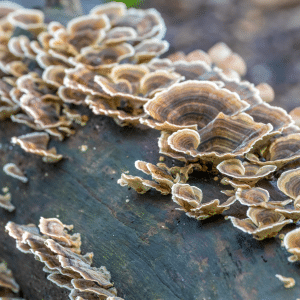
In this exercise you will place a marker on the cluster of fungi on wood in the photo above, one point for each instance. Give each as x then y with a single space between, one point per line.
208 116
61 254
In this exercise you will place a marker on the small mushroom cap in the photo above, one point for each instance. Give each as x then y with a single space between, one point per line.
252 197
13 171
89 22
28 19
188 197
148 49
104 57
291 242
61 280
263 216
283 150
289 282
190 200
82 79
289 183
6 7
70 95
37 143
261 232
178 104
141 185
54 75
192 70
225 137
7 280
119 35
147 23
89 286
45 111
266 92
5 202
113 10
245 171
14 46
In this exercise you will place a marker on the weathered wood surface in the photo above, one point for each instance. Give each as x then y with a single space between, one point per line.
152 250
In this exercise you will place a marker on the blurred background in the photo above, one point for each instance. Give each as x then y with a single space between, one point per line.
266 33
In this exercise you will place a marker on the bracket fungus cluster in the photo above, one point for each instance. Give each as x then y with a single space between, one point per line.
208 117
61 254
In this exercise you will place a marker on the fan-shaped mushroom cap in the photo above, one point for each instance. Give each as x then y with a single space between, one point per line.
28 19
76 263
45 60
191 104
70 95
61 280
129 72
119 35
54 75
266 113
103 58
158 81
13 171
190 200
192 70
17 231
148 49
89 286
37 143
266 92
164 148
5 202
88 22
160 64
55 229
261 232
124 111
223 138
113 10
6 7
291 242
289 282
283 150
141 185
261 223
16 68
147 23
245 172
14 46
82 79
54 26
289 183
293 214
7 280
252 197
45 111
